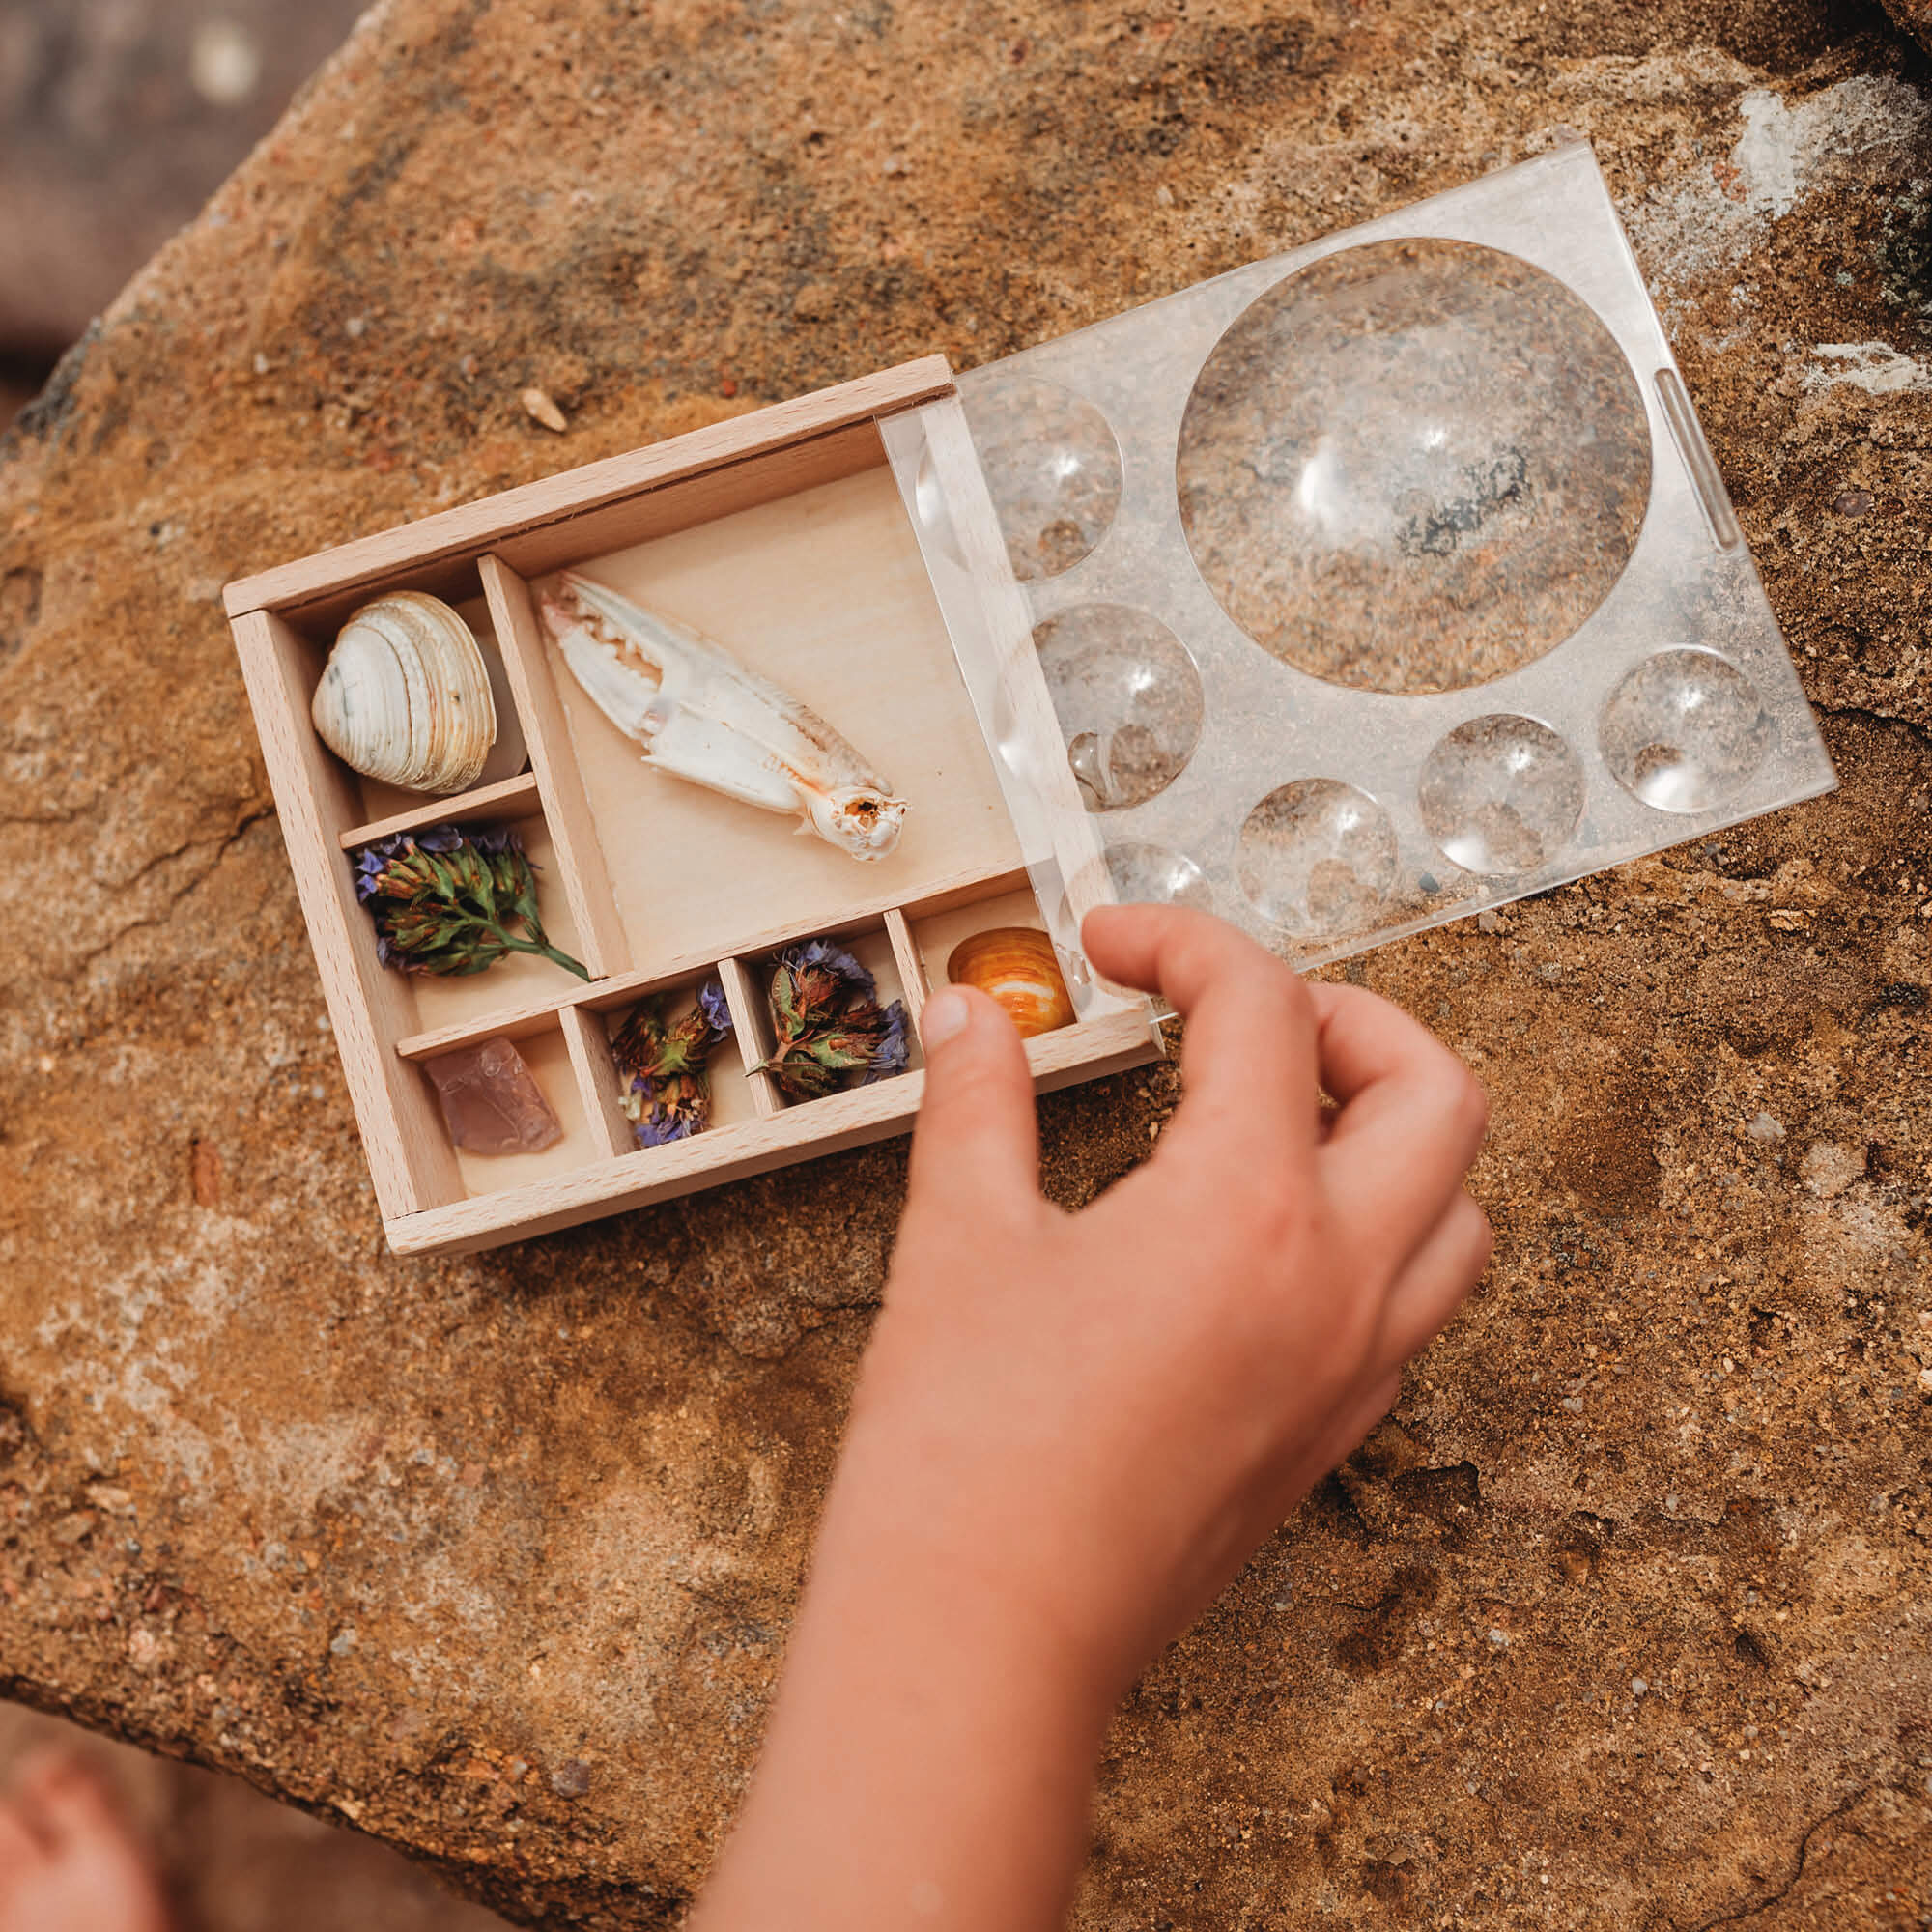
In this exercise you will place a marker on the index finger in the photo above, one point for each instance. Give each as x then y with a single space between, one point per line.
1250 1057
1412 1116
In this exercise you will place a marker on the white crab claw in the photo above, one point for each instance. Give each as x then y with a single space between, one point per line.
703 716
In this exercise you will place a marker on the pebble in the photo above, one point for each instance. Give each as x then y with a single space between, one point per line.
1762 1128
539 407
1488 921
1639 1686
571 1778
1853 502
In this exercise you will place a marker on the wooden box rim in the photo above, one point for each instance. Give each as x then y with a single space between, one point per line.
394 1113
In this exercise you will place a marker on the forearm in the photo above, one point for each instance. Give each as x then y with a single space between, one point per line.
931 1752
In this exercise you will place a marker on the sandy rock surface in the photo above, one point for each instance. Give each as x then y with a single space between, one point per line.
1621 1621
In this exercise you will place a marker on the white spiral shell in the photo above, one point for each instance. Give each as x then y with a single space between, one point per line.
405 696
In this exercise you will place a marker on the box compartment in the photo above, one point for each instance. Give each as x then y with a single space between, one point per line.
732 1099
553 1066
870 944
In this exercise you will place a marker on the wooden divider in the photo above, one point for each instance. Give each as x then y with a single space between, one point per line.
752 1025
519 1021
599 1084
911 968
508 798
573 834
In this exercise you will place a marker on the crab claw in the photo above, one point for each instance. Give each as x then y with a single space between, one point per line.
700 714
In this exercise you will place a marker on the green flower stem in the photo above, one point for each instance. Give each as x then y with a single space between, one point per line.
546 951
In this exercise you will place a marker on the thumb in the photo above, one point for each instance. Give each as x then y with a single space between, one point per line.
977 1139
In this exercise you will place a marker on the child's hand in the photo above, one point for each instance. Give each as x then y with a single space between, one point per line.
1103 1413
1071 1430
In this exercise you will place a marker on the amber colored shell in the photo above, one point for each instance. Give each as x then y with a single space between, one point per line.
1016 966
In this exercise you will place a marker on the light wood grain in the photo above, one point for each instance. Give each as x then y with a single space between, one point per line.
572 830
911 971
416 549
512 798
599 1084
1088 1051
410 1157
694 501
752 1024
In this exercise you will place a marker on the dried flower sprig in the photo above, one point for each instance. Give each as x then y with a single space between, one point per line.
830 1030
666 1088
446 901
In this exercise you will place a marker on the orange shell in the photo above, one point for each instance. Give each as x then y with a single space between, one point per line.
1016 966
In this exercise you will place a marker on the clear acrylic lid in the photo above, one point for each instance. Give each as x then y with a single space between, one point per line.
1361 588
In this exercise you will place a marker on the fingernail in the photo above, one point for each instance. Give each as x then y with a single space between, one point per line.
948 1012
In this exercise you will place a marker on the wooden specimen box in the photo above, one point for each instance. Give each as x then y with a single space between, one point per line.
786 534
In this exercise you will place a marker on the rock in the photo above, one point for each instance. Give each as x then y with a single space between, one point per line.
1914 17
1762 1128
261 1377
490 1101
1829 1167
571 1778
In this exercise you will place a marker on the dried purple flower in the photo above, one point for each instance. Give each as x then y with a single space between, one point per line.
835 961
893 1050
662 1125
448 901
667 1094
711 1003
829 1024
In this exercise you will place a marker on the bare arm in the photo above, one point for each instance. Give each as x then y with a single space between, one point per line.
1071 1431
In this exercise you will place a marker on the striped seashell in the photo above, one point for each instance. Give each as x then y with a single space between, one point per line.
405 696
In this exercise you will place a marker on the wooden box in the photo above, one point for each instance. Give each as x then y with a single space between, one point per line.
787 535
